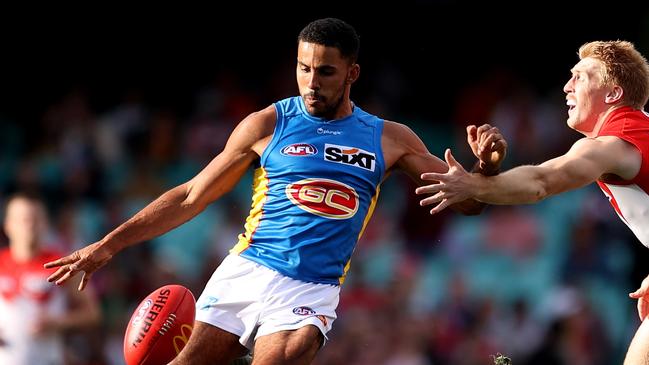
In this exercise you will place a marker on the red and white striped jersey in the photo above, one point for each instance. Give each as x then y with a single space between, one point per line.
630 198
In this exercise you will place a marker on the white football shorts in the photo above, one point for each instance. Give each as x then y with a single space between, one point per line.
251 300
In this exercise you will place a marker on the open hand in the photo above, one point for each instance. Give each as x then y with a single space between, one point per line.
450 188
86 260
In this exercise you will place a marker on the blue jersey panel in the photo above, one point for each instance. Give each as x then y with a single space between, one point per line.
313 193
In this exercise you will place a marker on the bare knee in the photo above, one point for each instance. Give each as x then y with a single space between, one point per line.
288 347
298 347
209 345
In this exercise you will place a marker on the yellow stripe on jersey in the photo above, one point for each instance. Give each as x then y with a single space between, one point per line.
370 211
259 190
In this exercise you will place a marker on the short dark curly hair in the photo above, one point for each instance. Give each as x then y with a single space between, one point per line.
333 32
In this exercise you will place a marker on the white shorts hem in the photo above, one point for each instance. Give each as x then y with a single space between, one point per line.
224 326
313 320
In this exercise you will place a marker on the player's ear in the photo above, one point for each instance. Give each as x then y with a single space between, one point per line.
353 73
614 95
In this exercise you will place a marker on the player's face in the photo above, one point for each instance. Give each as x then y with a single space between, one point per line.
24 224
585 95
323 77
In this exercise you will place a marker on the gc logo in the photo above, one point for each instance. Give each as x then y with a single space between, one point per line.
324 197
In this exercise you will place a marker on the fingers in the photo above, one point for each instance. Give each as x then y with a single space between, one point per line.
488 142
85 278
450 160
483 132
499 145
441 206
643 302
438 197
58 274
490 145
60 262
68 274
429 189
487 136
452 163
431 176
471 134
642 291
63 273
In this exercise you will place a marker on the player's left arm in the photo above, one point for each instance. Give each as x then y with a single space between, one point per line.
404 150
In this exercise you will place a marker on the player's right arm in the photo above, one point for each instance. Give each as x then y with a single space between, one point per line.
404 150
178 205
586 161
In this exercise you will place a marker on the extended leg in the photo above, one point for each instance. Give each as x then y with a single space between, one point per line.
209 345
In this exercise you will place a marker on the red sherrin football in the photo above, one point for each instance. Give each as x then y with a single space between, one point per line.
160 326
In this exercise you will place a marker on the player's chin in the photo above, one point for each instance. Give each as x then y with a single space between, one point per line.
315 110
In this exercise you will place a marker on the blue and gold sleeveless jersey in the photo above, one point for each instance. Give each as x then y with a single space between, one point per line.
313 193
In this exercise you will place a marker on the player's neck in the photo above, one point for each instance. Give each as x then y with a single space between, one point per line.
345 109
601 120
348 108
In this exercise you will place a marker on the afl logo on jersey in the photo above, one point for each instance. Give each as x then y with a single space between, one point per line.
324 197
299 149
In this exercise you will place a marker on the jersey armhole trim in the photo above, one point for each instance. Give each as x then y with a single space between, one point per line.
277 133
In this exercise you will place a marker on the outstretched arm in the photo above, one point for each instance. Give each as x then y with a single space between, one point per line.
404 150
178 205
585 162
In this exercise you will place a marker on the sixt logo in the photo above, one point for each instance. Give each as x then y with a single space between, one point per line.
303 311
350 156
324 197
299 149
328 131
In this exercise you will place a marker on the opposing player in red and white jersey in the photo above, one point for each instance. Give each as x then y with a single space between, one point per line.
33 314
606 95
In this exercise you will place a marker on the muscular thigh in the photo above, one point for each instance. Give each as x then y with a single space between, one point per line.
295 347
210 345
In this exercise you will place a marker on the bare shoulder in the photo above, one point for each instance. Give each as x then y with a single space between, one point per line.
261 123
399 140
404 150
624 158
613 155
606 147
397 132
255 131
